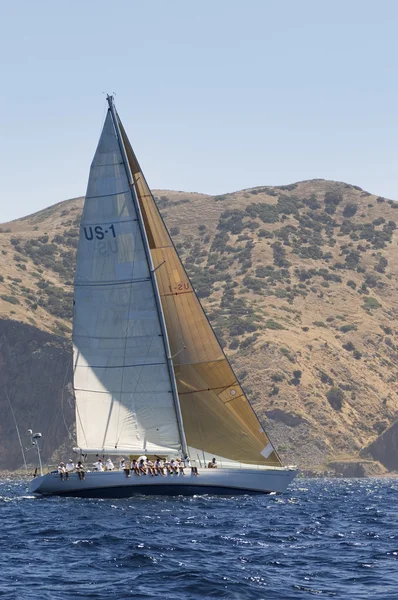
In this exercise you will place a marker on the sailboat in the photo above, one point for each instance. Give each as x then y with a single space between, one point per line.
150 377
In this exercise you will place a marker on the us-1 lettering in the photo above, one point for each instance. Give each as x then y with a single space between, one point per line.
180 287
99 232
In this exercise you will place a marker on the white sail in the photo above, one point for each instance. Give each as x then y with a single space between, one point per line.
123 389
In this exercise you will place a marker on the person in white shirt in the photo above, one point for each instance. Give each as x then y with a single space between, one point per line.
109 465
174 466
70 467
159 467
62 470
122 464
187 462
150 467
98 465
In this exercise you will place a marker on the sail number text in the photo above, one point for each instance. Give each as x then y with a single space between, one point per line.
180 287
98 232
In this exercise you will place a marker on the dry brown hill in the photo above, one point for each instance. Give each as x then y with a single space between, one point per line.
299 281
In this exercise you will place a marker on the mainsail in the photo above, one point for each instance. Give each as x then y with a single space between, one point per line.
123 387
217 416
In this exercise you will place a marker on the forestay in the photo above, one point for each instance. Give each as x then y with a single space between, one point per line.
217 416
123 391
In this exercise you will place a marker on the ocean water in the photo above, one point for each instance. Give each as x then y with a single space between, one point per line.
326 538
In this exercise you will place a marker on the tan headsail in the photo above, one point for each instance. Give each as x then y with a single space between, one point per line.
217 416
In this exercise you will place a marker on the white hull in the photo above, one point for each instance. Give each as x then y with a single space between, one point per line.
115 484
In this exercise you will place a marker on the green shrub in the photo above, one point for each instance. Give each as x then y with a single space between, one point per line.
333 198
387 330
265 234
352 259
349 346
286 352
335 397
248 341
324 377
271 324
381 265
350 209
347 328
10 299
276 377
371 304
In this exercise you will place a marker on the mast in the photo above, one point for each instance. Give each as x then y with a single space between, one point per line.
153 278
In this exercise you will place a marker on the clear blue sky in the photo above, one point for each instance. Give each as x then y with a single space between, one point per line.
216 95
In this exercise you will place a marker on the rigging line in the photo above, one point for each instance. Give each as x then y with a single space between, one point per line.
103 117
16 427
70 436
76 404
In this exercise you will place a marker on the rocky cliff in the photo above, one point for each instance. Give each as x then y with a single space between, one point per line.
35 374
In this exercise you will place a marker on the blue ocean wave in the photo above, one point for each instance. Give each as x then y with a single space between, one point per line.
327 538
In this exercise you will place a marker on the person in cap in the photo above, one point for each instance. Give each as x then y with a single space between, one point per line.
98 465
109 466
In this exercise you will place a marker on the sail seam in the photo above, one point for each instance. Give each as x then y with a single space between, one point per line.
107 195
121 282
176 294
82 224
119 366
107 165
211 389
112 392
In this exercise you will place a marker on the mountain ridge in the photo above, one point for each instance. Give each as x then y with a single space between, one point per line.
299 282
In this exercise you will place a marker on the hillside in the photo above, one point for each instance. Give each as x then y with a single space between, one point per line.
299 281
